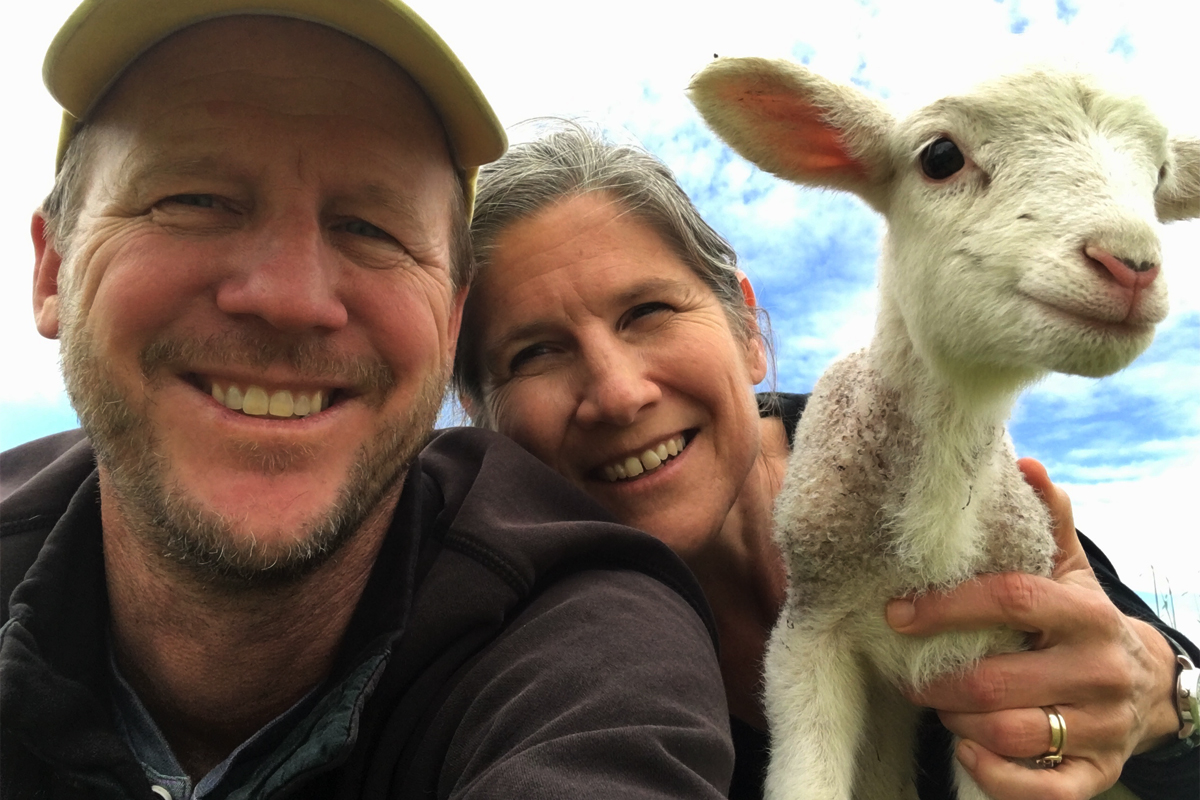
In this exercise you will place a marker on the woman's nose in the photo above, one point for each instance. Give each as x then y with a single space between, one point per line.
617 389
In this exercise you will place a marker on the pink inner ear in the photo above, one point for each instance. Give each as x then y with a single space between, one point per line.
795 133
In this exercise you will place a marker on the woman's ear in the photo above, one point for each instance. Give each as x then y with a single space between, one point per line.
757 347
747 289
468 405
757 356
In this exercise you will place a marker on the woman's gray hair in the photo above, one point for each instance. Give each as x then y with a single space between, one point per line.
573 160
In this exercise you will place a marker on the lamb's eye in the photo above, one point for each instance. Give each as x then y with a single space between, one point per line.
941 158
1162 174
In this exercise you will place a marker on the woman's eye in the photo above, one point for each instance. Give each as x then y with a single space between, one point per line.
526 355
643 310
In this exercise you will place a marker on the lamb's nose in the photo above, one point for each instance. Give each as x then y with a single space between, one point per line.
1126 271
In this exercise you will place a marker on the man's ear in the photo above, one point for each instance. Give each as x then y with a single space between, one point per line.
46 265
454 327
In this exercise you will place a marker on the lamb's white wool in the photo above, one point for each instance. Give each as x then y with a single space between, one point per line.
1022 238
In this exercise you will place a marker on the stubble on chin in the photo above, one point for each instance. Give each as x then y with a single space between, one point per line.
270 459
216 548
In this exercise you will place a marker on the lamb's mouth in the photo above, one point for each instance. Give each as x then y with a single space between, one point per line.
277 402
647 461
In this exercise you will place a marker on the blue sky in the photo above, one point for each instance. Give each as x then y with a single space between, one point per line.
1126 447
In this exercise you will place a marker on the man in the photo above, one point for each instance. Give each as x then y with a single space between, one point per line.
248 579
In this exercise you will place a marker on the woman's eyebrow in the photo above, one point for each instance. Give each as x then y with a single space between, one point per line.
529 330
647 286
629 296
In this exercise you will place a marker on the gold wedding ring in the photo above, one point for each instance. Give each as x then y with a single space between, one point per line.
1058 739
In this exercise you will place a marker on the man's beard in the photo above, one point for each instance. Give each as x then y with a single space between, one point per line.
206 542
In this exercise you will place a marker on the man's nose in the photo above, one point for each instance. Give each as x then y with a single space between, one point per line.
617 387
287 276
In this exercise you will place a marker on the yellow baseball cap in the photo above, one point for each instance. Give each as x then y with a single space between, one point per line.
103 37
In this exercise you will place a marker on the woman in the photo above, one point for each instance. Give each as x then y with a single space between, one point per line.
610 333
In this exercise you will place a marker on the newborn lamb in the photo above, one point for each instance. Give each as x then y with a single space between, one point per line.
1021 239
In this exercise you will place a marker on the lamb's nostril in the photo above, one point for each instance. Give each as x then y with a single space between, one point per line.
1138 266
1125 271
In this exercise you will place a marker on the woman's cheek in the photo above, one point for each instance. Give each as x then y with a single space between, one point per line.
512 407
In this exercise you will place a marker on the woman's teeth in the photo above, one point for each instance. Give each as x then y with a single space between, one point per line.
282 403
648 461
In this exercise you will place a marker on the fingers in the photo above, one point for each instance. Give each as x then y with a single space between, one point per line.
1026 733
1017 733
1073 779
1022 602
1090 674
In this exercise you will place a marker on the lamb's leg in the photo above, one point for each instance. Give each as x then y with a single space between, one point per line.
815 704
886 762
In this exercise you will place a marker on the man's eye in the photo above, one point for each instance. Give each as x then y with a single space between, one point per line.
194 200
358 227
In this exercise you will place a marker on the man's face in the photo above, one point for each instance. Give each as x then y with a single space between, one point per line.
267 224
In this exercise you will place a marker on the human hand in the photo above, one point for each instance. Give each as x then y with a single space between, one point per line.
1110 676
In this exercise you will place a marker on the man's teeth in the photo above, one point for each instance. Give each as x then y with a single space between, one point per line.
651 459
282 403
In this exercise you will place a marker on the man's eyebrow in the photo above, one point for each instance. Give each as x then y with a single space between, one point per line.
379 194
168 164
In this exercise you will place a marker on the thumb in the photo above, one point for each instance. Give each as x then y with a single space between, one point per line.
1070 554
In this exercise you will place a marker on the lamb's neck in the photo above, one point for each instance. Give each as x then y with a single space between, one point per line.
937 397
959 433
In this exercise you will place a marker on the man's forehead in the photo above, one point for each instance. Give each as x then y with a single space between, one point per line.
103 37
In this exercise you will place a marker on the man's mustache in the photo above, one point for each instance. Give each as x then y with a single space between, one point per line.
309 360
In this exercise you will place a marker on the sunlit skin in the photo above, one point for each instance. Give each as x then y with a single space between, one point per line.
598 342
276 180
283 204
601 343
595 341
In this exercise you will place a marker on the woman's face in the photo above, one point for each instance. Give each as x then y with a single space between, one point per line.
604 355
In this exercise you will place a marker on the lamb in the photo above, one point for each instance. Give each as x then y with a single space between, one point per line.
1021 239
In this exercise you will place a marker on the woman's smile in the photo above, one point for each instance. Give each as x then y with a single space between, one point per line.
607 357
649 460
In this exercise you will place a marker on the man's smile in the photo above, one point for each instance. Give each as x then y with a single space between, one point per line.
258 401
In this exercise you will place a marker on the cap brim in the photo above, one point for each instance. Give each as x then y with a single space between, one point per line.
103 37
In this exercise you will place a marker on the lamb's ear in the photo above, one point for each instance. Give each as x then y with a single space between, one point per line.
798 125
1179 195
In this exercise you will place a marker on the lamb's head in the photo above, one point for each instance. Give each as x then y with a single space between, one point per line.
1022 216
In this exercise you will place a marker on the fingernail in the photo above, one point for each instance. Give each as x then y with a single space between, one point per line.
966 755
901 613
